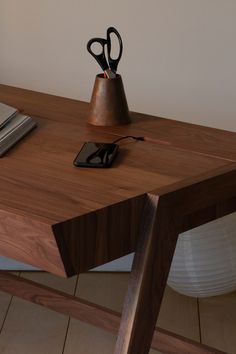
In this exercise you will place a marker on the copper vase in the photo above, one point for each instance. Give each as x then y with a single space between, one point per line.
108 105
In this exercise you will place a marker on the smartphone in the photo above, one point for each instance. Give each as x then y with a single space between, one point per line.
96 155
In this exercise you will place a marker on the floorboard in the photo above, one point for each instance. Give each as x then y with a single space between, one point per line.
179 314
31 329
218 322
109 290
106 289
5 302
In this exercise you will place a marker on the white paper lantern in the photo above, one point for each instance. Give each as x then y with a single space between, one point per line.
204 262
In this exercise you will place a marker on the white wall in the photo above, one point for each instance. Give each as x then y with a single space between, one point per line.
179 55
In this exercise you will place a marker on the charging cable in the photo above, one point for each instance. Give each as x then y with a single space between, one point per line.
141 138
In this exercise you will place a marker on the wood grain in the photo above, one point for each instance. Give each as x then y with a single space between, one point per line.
213 194
104 289
67 220
184 136
99 237
178 313
150 269
167 132
64 215
108 105
93 314
33 329
30 241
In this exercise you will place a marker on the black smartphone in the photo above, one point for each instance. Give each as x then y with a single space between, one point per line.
96 155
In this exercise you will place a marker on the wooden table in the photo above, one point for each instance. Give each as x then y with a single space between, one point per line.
67 220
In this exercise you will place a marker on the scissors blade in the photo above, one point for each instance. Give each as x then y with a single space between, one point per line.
110 74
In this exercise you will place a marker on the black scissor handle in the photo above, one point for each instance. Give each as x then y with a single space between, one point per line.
101 153
101 58
113 63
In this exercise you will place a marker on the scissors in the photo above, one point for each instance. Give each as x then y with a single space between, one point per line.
101 155
108 65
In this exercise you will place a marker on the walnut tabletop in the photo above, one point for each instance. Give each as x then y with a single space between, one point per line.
67 220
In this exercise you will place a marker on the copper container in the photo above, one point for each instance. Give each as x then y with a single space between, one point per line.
108 105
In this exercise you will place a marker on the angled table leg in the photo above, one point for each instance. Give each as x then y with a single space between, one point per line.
151 265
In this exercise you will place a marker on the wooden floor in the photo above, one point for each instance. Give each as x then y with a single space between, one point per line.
27 328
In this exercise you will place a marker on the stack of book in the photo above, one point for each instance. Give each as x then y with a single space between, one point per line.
13 127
